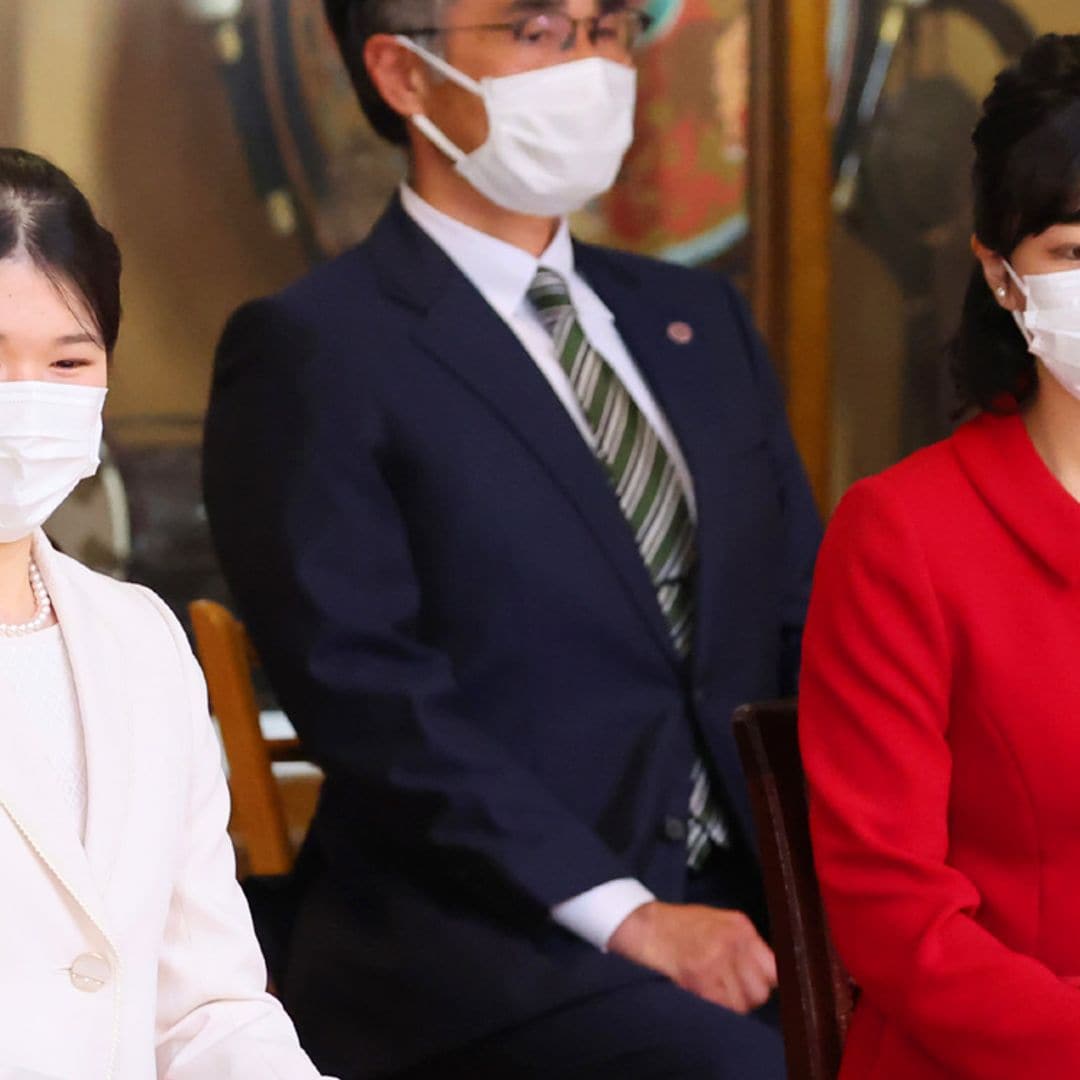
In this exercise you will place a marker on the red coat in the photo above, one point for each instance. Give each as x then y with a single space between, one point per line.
940 727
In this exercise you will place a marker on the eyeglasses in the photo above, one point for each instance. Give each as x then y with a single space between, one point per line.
551 33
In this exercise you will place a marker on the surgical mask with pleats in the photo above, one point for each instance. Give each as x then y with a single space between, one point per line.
556 136
50 439
1050 322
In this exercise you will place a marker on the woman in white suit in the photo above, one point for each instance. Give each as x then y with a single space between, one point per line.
126 947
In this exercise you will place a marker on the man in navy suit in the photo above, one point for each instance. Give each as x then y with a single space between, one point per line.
515 523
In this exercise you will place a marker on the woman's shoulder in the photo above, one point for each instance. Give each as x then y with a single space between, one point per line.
920 483
928 498
935 482
135 611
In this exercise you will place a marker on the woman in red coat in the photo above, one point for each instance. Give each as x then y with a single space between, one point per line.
940 698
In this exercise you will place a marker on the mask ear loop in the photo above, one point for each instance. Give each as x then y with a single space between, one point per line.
434 135
467 82
1018 281
422 123
1018 316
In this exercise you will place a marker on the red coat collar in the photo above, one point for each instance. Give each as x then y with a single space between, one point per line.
1000 460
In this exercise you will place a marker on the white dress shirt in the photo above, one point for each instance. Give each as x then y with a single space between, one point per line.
502 274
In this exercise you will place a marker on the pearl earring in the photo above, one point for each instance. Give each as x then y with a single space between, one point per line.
1002 292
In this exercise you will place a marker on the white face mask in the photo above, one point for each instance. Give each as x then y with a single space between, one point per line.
1050 322
50 438
556 136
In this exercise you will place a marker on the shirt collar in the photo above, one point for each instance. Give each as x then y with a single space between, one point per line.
501 272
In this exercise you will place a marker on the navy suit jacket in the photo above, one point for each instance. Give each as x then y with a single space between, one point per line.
453 612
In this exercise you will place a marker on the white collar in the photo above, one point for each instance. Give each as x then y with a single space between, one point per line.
501 272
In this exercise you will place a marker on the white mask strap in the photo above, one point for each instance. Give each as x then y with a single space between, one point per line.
440 65
434 135
1018 316
1018 281
423 124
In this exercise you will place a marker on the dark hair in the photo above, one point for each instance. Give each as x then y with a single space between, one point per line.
43 213
1026 178
353 22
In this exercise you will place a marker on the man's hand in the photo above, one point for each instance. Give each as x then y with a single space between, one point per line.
714 953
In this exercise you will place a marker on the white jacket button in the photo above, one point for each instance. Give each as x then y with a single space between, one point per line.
90 973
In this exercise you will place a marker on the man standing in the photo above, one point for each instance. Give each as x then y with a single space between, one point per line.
514 523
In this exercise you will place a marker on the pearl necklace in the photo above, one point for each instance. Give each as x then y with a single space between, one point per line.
42 612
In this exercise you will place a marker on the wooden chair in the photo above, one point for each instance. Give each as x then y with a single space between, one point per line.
258 810
816 994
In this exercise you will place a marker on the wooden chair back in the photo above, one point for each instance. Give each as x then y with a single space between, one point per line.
258 811
816 994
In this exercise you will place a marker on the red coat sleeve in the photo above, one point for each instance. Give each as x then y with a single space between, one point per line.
874 711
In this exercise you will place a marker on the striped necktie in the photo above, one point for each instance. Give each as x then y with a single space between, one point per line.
652 500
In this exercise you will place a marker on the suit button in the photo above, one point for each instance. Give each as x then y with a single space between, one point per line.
90 973
674 829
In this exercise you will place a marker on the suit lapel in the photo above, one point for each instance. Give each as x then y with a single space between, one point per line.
681 369
684 368
31 804
461 331
99 672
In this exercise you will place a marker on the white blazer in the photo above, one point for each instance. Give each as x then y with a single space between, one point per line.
132 957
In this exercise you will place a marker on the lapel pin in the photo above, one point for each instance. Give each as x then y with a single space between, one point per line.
681 333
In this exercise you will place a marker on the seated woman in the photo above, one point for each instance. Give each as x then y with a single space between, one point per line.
940 695
126 949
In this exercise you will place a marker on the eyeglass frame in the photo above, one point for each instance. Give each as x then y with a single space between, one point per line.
644 20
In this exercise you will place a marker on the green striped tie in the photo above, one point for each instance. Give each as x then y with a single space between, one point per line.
652 499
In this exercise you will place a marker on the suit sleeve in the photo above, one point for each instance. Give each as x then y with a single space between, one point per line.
874 711
300 486
214 1016
802 523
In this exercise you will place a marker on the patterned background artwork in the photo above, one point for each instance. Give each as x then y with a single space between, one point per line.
682 191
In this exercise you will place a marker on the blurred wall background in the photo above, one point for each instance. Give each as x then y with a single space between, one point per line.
125 95
877 416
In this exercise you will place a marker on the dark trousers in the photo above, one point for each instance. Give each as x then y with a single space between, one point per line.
646 1030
